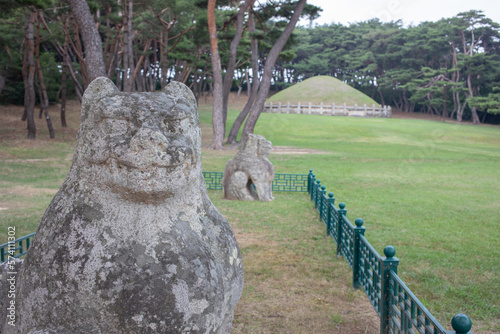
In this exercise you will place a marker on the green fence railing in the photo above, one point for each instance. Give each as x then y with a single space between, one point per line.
281 182
16 248
399 310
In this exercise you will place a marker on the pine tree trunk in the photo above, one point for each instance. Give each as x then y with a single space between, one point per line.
91 39
164 59
78 49
44 99
268 71
128 52
231 66
254 88
2 83
249 88
25 75
475 118
217 106
64 80
30 96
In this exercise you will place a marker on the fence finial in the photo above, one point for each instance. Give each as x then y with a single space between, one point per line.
461 324
330 194
342 205
389 251
358 222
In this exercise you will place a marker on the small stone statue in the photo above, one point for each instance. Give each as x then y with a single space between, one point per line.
249 176
131 243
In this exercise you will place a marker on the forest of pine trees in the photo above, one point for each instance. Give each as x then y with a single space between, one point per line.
449 68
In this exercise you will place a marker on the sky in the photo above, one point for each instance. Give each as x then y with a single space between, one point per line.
412 12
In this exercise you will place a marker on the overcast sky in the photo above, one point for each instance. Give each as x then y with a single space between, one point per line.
410 11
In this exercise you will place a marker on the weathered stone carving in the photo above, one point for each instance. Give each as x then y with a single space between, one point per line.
131 243
250 168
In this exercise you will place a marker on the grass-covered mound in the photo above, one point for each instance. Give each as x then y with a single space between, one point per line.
322 89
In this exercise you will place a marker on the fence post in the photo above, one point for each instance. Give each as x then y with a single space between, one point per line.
309 179
321 196
341 211
389 263
315 191
356 252
313 182
331 202
461 324
298 108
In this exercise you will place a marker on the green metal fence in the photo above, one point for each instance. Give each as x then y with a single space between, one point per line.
281 182
16 248
399 309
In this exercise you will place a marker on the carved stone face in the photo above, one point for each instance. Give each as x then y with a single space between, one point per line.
142 146
265 147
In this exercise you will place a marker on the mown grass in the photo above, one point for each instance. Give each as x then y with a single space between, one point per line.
430 189
293 284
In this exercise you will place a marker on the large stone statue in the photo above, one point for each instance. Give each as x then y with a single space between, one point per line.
249 176
131 242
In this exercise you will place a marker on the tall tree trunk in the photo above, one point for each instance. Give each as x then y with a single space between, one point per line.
25 73
475 117
78 86
254 88
78 49
30 75
217 105
249 89
141 59
231 65
44 99
64 78
268 71
91 39
2 83
164 59
445 112
128 52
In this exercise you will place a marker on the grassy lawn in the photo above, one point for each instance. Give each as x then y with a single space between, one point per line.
430 189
